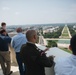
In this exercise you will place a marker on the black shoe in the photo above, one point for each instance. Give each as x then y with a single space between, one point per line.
10 72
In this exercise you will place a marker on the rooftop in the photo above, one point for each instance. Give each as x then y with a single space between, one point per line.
14 69
52 51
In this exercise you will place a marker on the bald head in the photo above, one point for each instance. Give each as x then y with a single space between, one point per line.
31 35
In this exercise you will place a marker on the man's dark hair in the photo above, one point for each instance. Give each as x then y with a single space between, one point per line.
3 23
73 44
2 30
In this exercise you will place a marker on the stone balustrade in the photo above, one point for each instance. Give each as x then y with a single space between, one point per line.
52 51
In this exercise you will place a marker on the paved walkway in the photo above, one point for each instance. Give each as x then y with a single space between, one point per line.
14 69
65 31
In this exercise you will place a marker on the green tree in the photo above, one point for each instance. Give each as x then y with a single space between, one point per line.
52 43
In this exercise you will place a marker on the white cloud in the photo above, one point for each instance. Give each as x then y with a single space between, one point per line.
5 8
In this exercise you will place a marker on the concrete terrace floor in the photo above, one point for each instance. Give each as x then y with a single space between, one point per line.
58 53
14 68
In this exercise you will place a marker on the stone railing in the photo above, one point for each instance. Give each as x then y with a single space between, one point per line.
52 51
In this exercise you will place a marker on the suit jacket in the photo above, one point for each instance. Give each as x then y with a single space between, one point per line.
34 61
4 42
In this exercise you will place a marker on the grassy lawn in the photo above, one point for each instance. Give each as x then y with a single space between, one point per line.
67 50
65 31
65 34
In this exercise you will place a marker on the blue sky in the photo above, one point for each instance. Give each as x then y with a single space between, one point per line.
18 12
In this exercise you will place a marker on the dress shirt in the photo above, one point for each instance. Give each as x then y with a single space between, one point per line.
66 66
18 40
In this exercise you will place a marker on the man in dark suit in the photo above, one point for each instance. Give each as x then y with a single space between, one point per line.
34 58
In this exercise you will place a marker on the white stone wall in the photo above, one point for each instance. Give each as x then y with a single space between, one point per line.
52 51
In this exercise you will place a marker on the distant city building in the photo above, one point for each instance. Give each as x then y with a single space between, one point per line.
50 29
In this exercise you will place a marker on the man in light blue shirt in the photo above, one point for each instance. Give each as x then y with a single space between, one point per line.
17 41
67 66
